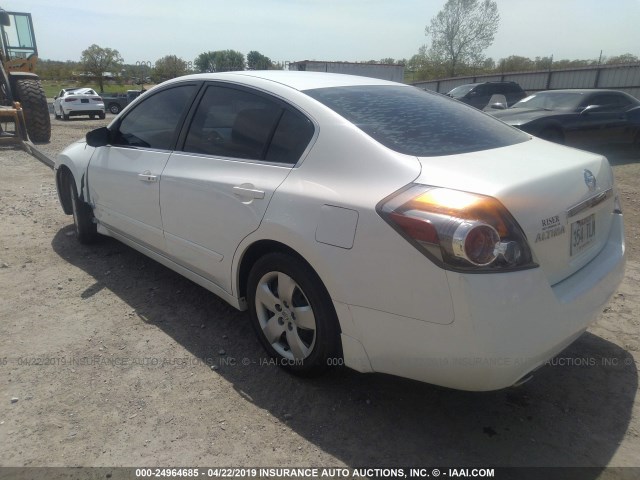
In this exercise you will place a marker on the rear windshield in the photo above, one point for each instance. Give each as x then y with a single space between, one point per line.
416 122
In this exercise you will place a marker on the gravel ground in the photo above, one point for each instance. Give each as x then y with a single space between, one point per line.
109 359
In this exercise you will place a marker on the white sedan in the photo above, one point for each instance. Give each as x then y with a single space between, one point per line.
78 101
360 222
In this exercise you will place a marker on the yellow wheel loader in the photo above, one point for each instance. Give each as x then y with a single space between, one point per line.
22 98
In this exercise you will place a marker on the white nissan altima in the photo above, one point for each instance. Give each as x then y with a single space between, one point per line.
361 222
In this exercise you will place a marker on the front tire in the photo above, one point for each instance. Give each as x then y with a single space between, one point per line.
293 315
36 110
86 229
114 108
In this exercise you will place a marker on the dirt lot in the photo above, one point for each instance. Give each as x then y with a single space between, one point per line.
109 359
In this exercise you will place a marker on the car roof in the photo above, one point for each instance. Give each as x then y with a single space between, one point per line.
293 79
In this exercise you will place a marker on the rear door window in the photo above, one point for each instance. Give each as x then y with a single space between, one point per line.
292 136
237 123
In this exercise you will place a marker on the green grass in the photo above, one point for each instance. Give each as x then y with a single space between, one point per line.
52 88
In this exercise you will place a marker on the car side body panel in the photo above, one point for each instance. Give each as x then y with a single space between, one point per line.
209 205
399 311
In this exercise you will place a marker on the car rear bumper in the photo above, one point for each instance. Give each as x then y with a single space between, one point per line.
505 325
90 109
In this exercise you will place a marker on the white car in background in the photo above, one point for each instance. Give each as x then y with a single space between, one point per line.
72 102
361 222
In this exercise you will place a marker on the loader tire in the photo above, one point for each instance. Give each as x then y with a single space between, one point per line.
36 111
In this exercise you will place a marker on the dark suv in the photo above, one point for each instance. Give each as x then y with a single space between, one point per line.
479 94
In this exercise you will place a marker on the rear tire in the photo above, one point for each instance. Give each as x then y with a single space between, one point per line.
114 108
86 229
293 315
31 95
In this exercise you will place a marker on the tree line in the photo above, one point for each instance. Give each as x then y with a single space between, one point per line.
101 63
461 32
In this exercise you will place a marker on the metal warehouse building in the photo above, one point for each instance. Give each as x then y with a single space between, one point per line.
394 73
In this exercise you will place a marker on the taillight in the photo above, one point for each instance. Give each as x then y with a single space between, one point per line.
70 99
97 99
458 230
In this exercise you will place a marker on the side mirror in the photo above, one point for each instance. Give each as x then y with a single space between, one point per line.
99 137
496 102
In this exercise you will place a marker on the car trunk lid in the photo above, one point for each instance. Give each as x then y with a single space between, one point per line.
561 197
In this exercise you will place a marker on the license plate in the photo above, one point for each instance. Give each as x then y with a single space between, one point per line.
583 233
84 100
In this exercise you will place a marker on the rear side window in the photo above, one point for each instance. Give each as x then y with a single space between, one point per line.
416 122
154 122
240 124
292 136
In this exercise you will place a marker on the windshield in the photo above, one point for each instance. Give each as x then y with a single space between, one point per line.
552 101
460 91
415 122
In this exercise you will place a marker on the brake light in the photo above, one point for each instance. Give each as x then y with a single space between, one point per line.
70 99
458 230
97 99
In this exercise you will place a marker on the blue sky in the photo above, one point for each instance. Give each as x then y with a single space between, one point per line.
345 30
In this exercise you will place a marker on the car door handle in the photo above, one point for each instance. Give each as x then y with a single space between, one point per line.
244 191
147 177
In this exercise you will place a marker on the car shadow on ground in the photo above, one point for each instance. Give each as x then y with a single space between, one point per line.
575 411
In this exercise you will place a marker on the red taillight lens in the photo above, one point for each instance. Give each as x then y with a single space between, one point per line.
458 230
70 99
97 99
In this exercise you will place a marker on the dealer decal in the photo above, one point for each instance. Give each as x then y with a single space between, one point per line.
551 227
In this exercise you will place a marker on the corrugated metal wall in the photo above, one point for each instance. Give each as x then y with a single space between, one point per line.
394 73
618 77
